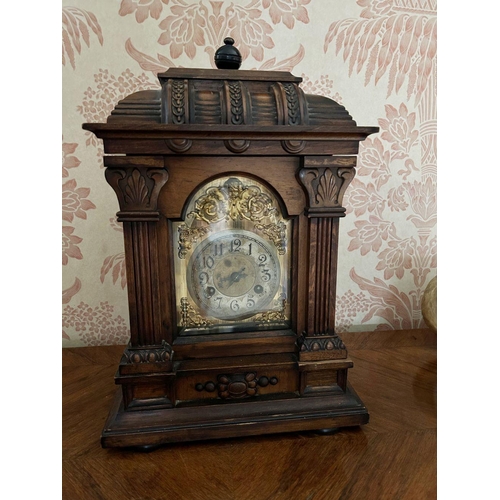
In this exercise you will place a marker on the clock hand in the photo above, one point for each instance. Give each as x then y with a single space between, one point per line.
236 276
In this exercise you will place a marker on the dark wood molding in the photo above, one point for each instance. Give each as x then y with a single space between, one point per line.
127 129
144 105
321 347
223 74
150 354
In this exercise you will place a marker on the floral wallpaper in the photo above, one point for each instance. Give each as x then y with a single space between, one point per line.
376 57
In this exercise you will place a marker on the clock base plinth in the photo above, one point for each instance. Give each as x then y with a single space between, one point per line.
151 428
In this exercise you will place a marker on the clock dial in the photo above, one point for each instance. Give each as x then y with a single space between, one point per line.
232 259
233 275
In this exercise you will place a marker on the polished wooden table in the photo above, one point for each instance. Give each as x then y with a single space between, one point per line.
393 457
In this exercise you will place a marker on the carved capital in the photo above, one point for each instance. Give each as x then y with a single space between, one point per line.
325 188
325 181
137 190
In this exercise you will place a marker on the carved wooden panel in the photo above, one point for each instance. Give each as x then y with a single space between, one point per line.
237 385
244 383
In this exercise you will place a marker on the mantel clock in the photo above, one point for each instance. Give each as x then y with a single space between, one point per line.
230 186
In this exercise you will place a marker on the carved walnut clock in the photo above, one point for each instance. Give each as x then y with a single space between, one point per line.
230 186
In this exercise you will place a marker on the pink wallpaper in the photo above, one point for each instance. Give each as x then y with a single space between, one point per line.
376 57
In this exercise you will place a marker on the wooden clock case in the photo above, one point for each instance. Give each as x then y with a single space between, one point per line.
162 145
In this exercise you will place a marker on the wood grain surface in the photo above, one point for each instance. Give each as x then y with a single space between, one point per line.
392 457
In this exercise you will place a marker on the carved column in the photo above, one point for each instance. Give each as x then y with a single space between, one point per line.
137 182
325 180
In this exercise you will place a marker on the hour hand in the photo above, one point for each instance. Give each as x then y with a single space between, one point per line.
236 276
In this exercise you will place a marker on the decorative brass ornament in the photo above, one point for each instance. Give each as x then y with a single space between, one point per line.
274 315
276 233
188 236
235 201
189 317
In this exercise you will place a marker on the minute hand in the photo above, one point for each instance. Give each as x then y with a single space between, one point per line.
236 276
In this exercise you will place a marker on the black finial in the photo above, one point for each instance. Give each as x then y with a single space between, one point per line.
227 56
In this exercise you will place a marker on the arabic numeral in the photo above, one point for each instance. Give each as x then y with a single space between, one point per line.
208 261
250 303
234 305
203 277
262 259
266 276
218 300
218 249
235 245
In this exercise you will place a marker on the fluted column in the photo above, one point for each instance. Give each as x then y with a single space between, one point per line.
137 182
325 180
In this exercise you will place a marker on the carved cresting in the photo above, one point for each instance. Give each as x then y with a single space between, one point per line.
241 102
137 182
325 180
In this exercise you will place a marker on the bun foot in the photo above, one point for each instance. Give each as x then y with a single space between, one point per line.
146 448
326 432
